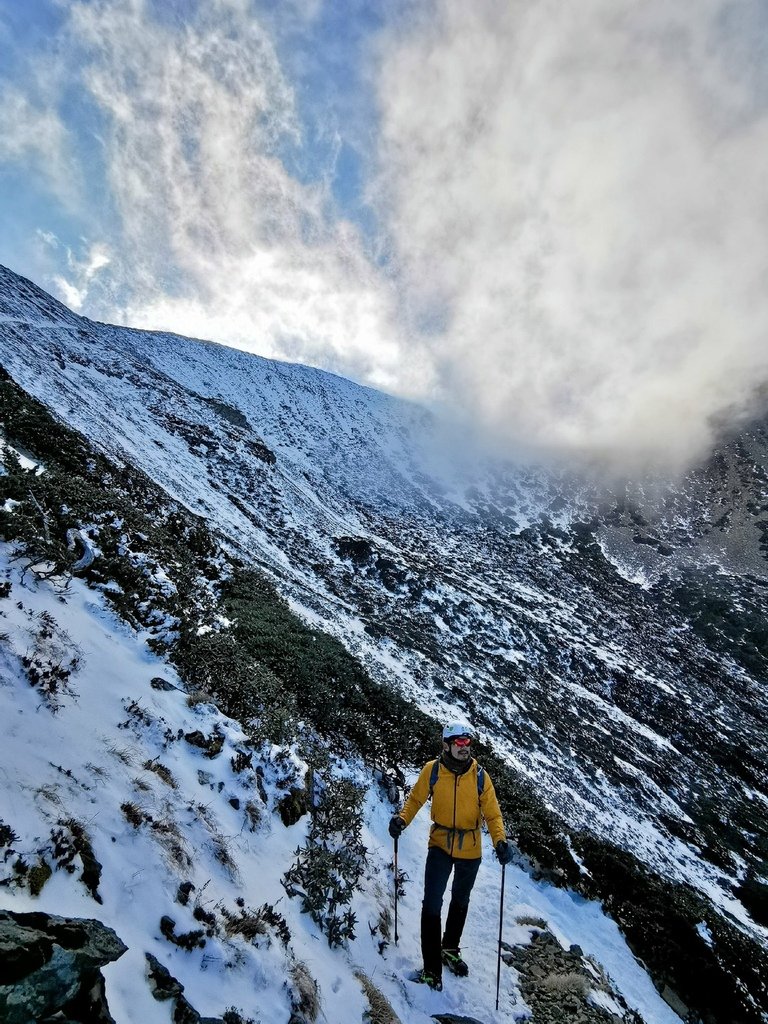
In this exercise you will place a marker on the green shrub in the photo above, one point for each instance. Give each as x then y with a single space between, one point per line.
38 875
328 868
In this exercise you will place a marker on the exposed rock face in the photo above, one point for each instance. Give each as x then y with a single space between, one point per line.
50 964
556 983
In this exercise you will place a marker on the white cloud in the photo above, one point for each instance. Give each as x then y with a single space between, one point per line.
218 240
75 288
33 135
582 188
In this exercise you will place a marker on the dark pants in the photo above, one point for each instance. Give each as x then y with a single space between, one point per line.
436 875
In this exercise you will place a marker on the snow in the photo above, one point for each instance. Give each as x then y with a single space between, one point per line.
84 761
350 462
24 460
704 932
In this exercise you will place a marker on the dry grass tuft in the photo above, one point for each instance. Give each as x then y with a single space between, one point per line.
570 984
125 754
305 998
380 1011
162 772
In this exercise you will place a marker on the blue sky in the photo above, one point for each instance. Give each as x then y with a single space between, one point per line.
555 225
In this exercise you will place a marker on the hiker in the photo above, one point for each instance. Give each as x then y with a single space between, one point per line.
462 797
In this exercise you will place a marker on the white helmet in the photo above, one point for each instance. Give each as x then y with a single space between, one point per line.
456 728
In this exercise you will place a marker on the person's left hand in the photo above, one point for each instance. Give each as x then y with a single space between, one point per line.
503 852
396 826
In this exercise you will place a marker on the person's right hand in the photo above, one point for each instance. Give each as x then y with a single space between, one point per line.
396 826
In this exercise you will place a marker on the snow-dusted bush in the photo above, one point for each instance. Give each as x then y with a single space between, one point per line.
51 659
330 865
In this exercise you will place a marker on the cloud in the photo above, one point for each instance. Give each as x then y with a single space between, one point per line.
75 288
576 197
33 135
216 238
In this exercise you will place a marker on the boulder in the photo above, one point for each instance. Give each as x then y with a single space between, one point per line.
52 964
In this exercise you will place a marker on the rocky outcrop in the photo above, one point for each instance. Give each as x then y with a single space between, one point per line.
558 984
52 964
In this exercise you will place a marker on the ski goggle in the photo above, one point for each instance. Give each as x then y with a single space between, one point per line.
460 741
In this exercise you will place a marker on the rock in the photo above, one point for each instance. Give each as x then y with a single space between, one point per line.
164 986
162 983
673 1000
183 893
158 683
293 805
52 964
211 745
184 1013
451 1018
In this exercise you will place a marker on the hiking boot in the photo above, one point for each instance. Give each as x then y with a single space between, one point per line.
452 960
427 978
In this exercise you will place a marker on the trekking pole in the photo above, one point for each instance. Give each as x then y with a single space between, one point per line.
501 919
396 887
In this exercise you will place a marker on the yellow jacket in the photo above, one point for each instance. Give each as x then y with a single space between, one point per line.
457 810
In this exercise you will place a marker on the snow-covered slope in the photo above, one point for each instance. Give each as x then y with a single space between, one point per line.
613 650
115 760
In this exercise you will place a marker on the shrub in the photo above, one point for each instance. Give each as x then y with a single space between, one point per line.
658 919
7 836
70 840
51 660
328 868
38 875
754 895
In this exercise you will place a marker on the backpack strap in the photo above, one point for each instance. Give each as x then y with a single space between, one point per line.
433 776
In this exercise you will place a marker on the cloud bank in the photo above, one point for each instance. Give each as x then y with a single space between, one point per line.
217 239
580 189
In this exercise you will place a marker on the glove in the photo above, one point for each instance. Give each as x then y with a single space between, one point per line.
503 851
396 826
